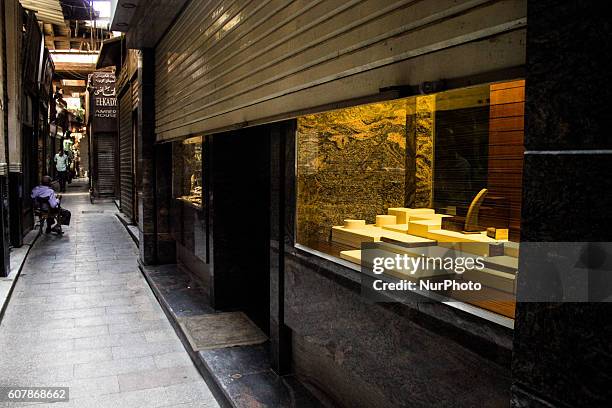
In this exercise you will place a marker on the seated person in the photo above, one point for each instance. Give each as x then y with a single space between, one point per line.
46 200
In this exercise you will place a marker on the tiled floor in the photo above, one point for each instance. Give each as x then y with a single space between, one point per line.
82 316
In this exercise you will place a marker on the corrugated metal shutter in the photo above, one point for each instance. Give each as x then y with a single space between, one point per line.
135 97
126 154
249 61
106 164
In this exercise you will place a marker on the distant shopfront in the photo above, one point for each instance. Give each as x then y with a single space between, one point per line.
103 134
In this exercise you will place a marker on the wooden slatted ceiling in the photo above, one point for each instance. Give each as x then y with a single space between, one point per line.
61 37
47 11
249 61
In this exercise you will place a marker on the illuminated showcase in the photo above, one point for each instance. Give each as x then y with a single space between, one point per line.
187 160
419 175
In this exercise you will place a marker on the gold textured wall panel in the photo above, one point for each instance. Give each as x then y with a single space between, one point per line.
351 164
424 140
230 63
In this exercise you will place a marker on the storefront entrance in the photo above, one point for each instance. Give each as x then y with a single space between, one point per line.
221 205
240 204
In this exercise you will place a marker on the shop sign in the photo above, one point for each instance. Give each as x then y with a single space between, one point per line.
104 100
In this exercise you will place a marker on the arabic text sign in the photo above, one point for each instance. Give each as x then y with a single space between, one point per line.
104 101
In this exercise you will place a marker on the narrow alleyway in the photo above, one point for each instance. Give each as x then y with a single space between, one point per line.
82 316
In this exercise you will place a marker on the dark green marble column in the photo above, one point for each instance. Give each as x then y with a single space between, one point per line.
562 351
282 210
166 246
5 265
146 183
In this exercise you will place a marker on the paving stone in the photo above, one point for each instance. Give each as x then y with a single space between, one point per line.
158 378
108 341
91 387
71 357
146 349
194 404
139 327
76 285
150 398
175 359
114 367
196 391
73 298
152 315
35 376
75 333
39 308
28 301
107 319
36 325
38 346
160 335
99 289
141 307
75 313
45 292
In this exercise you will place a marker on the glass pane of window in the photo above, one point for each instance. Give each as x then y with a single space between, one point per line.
188 215
187 171
351 164
432 171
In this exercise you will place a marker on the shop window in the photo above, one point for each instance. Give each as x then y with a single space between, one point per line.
187 163
439 170
189 218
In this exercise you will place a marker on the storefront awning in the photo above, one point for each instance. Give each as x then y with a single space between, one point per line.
110 53
144 22
47 11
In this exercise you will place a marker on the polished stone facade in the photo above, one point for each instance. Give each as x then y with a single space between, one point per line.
364 354
5 265
562 351
145 187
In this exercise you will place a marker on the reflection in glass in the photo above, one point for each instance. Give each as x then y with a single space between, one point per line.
189 226
187 161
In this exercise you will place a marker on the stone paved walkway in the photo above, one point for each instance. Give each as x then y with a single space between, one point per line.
82 316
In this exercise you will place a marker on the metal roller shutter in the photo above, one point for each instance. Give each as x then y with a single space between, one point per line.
126 154
268 60
106 164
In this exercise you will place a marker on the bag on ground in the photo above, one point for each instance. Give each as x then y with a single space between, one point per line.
64 217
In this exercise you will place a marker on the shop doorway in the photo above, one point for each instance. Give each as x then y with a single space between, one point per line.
239 170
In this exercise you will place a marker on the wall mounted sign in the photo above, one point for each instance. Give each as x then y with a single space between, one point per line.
103 101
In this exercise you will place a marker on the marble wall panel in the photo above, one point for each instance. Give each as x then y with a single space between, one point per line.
424 141
562 352
366 354
351 164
